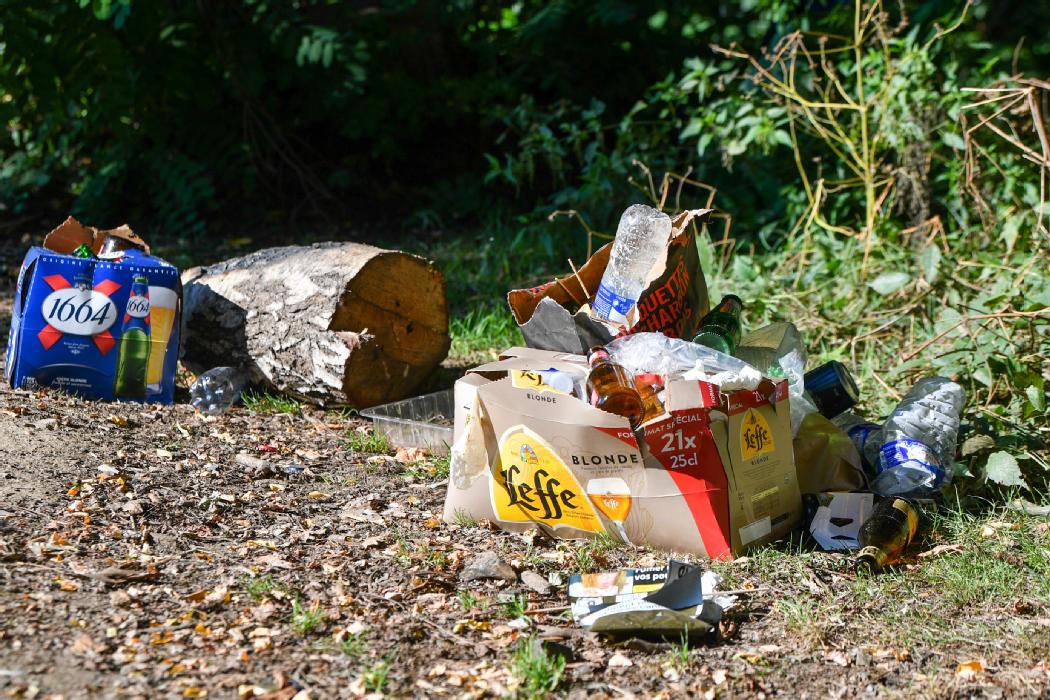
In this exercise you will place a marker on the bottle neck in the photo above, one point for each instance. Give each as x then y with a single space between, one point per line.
730 304
598 356
870 559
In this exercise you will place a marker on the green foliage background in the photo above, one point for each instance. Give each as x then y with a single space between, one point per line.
467 123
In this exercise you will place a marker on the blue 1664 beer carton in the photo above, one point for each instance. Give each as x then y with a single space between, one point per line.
99 328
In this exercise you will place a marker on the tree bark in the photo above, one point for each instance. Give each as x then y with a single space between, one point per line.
332 323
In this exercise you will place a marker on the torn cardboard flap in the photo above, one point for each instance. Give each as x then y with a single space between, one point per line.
71 234
836 525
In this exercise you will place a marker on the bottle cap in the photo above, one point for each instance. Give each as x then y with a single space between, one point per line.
598 352
733 301
832 388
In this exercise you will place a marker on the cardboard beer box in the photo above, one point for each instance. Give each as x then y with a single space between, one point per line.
714 476
99 328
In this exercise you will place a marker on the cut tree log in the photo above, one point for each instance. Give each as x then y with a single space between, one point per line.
331 323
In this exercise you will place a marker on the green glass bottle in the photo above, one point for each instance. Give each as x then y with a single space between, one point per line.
133 351
83 251
720 328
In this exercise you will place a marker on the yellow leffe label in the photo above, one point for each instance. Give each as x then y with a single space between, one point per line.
524 379
533 485
755 435
909 513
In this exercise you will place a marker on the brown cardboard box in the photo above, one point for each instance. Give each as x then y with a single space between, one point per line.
673 302
713 477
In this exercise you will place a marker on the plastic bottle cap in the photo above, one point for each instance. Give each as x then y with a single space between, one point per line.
832 388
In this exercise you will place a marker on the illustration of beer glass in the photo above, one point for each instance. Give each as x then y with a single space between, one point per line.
163 303
612 497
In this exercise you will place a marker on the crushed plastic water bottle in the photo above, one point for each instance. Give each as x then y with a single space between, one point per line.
217 389
640 238
916 446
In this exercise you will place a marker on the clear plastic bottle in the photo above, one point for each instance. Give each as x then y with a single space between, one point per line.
218 389
860 432
916 445
640 238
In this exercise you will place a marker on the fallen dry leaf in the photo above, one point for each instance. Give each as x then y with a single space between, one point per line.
719 676
968 670
941 549
408 455
65 584
837 657
197 596
84 644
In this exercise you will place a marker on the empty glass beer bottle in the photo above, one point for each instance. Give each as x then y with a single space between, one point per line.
720 328
648 385
83 251
886 534
611 388
134 347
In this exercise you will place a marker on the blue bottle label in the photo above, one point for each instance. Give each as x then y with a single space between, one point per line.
859 434
608 304
914 455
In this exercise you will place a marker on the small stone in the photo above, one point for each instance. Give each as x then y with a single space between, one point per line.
618 660
46 424
536 582
134 507
487 565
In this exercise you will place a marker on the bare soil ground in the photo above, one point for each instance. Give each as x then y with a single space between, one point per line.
196 562
152 552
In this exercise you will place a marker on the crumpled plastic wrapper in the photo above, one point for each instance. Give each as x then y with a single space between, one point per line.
675 358
642 353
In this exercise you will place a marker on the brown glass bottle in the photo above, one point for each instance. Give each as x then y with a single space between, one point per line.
647 386
610 387
886 534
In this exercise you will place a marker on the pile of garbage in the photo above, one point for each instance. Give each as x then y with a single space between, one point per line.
640 411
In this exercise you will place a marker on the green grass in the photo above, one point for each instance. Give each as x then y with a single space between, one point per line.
538 673
266 402
680 655
305 620
259 587
440 467
375 676
469 601
354 646
515 606
992 585
480 330
465 519
370 442
590 554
